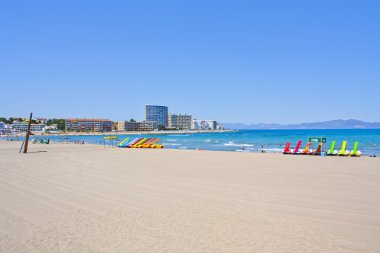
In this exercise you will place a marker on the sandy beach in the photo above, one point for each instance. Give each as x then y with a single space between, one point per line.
87 198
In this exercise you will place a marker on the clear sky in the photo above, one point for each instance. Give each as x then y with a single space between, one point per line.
232 61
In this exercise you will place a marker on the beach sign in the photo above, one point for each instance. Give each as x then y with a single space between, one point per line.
317 139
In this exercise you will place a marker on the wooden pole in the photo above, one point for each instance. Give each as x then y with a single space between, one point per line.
28 134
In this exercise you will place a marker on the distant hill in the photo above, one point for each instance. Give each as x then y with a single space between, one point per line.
332 124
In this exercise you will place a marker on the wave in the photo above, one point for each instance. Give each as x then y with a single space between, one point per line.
171 140
238 144
172 144
273 149
241 150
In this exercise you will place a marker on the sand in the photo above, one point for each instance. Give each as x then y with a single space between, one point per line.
85 198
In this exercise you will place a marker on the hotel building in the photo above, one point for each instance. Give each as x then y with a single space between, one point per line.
179 121
23 127
88 125
140 126
157 113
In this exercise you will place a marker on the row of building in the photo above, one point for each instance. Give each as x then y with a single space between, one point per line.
88 125
194 124
75 125
161 115
156 117
21 126
104 125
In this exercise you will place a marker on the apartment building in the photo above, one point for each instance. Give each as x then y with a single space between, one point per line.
140 126
88 125
179 121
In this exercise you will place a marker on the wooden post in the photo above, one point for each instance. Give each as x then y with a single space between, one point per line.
27 134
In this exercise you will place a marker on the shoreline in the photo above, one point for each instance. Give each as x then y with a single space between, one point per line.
224 140
107 146
125 133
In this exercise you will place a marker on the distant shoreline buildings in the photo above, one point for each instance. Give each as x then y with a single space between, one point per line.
88 125
157 117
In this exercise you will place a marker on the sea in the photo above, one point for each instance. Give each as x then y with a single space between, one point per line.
272 141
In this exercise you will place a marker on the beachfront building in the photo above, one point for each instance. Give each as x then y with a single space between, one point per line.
204 124
21 127
157 113
140 126
88 125
179 121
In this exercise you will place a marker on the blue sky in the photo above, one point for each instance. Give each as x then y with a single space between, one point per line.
233 61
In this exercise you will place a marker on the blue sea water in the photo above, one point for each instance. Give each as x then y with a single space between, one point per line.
254 140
